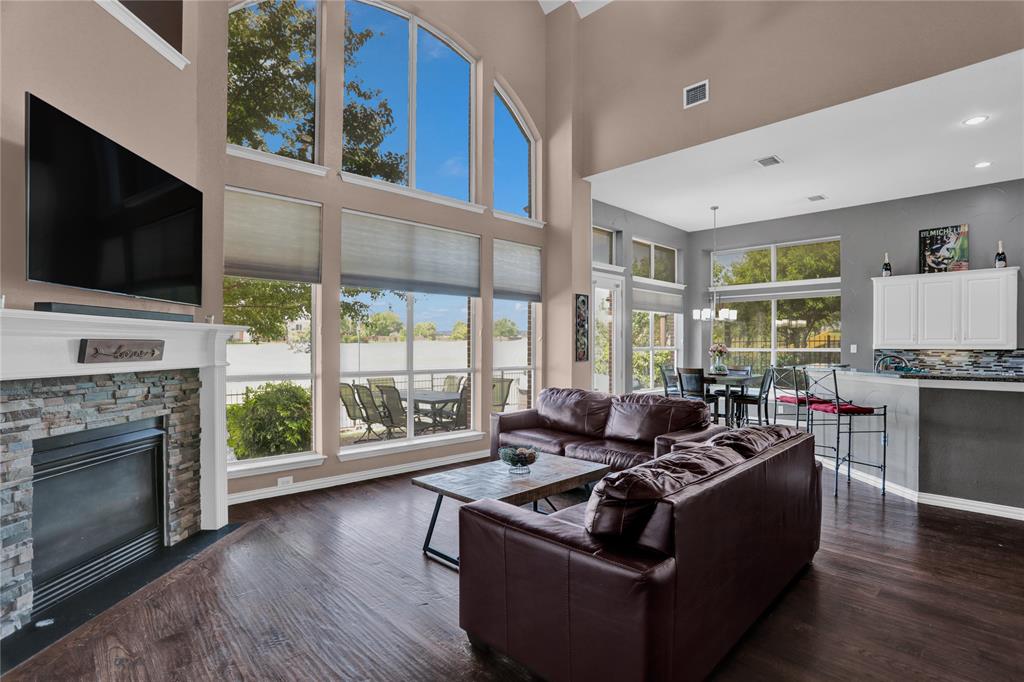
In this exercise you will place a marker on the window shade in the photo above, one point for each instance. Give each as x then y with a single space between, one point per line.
382 253
516 271
657 301
271 237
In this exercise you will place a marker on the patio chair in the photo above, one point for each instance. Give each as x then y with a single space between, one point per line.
500 389
377 382
452 383
353 410
371 412
454 417
395 414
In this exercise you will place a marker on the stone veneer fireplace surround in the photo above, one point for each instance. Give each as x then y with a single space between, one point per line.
46 392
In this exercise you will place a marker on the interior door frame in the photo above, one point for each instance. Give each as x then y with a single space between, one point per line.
615 284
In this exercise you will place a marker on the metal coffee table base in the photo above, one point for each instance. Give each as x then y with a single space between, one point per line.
452 562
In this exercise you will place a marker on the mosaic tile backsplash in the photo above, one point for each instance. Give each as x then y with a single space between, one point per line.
983 362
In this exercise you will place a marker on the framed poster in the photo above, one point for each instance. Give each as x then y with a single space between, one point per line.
943 249
582 327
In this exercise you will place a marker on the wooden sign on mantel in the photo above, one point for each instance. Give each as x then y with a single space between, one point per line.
120 350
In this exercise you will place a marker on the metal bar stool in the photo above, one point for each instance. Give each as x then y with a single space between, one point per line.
827 386
791 388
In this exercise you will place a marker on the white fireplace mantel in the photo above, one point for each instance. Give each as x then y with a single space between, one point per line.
36 345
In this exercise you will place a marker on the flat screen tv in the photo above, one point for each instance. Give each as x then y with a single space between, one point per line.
101 217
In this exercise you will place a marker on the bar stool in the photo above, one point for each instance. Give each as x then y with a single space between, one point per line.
827 386
791 388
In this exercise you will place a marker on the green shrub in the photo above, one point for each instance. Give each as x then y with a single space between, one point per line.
272 420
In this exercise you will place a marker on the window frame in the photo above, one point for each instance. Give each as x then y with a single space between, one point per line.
649 277
650 349
411 441
520 120
415 23
774 282
313 166
611 235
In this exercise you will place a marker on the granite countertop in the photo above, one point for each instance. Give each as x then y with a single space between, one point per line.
960 377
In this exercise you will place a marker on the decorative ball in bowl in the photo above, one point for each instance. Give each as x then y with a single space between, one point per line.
518 459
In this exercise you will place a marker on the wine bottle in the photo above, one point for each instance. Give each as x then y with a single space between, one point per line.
886 267
1000 256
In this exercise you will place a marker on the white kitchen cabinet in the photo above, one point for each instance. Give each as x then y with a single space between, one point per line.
974 309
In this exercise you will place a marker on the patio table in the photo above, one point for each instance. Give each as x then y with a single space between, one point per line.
434 401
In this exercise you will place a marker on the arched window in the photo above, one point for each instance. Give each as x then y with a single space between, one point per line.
272 77
408 98
513 160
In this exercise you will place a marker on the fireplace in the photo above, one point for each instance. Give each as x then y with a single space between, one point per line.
97 505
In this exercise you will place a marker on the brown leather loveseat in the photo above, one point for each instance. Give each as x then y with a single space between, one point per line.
659 574
621 431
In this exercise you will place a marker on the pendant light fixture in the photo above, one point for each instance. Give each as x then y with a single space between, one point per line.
707 314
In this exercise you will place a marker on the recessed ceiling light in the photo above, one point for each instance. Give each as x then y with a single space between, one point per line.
975 120
983 164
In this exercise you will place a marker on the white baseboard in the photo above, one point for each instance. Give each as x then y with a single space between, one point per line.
354 477
959 503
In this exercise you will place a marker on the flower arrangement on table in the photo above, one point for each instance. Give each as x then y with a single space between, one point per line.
518 459
718 351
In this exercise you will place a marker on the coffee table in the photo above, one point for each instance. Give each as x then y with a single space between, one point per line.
549 475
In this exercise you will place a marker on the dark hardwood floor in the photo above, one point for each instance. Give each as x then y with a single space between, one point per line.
331 585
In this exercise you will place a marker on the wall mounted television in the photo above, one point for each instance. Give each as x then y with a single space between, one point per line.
103 218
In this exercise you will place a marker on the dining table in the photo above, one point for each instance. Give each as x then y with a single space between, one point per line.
730 381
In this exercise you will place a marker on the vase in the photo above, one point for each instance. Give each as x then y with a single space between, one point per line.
718 365
519 470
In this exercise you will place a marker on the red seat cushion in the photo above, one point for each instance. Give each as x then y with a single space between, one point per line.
844 408
804 400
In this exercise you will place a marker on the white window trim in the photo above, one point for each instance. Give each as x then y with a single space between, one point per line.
142 30
513 218
273 464
391 447
415 23
774 282
650 349
645 282
509 102
650 247
363 181
611 233
610 269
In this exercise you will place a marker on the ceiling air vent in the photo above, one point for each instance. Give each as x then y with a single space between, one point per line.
770 161
817 197
695 94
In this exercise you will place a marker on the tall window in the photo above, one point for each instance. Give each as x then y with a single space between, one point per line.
517 280
602 246
513 178
654 348
793 262
416 136
270 370
654 261
406 329
272 77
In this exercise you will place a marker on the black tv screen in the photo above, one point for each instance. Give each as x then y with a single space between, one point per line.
101 217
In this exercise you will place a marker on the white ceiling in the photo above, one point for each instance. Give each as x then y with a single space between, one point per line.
583 7
899 143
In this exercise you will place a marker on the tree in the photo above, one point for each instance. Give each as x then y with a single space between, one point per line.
425 330
272 76
265 306
505 328
460 331
383 324
367 120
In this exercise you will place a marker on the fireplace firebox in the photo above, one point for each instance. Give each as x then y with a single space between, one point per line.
97 506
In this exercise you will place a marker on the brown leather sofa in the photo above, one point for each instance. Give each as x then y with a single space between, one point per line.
621 431
659 574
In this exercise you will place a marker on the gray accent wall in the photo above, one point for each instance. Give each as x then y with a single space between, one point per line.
628 226
993 212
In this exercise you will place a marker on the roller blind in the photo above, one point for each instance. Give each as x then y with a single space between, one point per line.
657 301
383 253
271 237
516 271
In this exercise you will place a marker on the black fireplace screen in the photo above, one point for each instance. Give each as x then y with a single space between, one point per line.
96 506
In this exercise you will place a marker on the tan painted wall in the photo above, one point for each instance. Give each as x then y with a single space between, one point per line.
767 61
80 59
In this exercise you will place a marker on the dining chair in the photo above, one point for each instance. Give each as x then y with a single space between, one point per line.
669 380
500 389
371 412
742 402
691 385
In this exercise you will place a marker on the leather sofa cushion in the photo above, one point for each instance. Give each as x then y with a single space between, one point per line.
753 440
622 502
617 454
574 410
644 417
544 440
574 514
